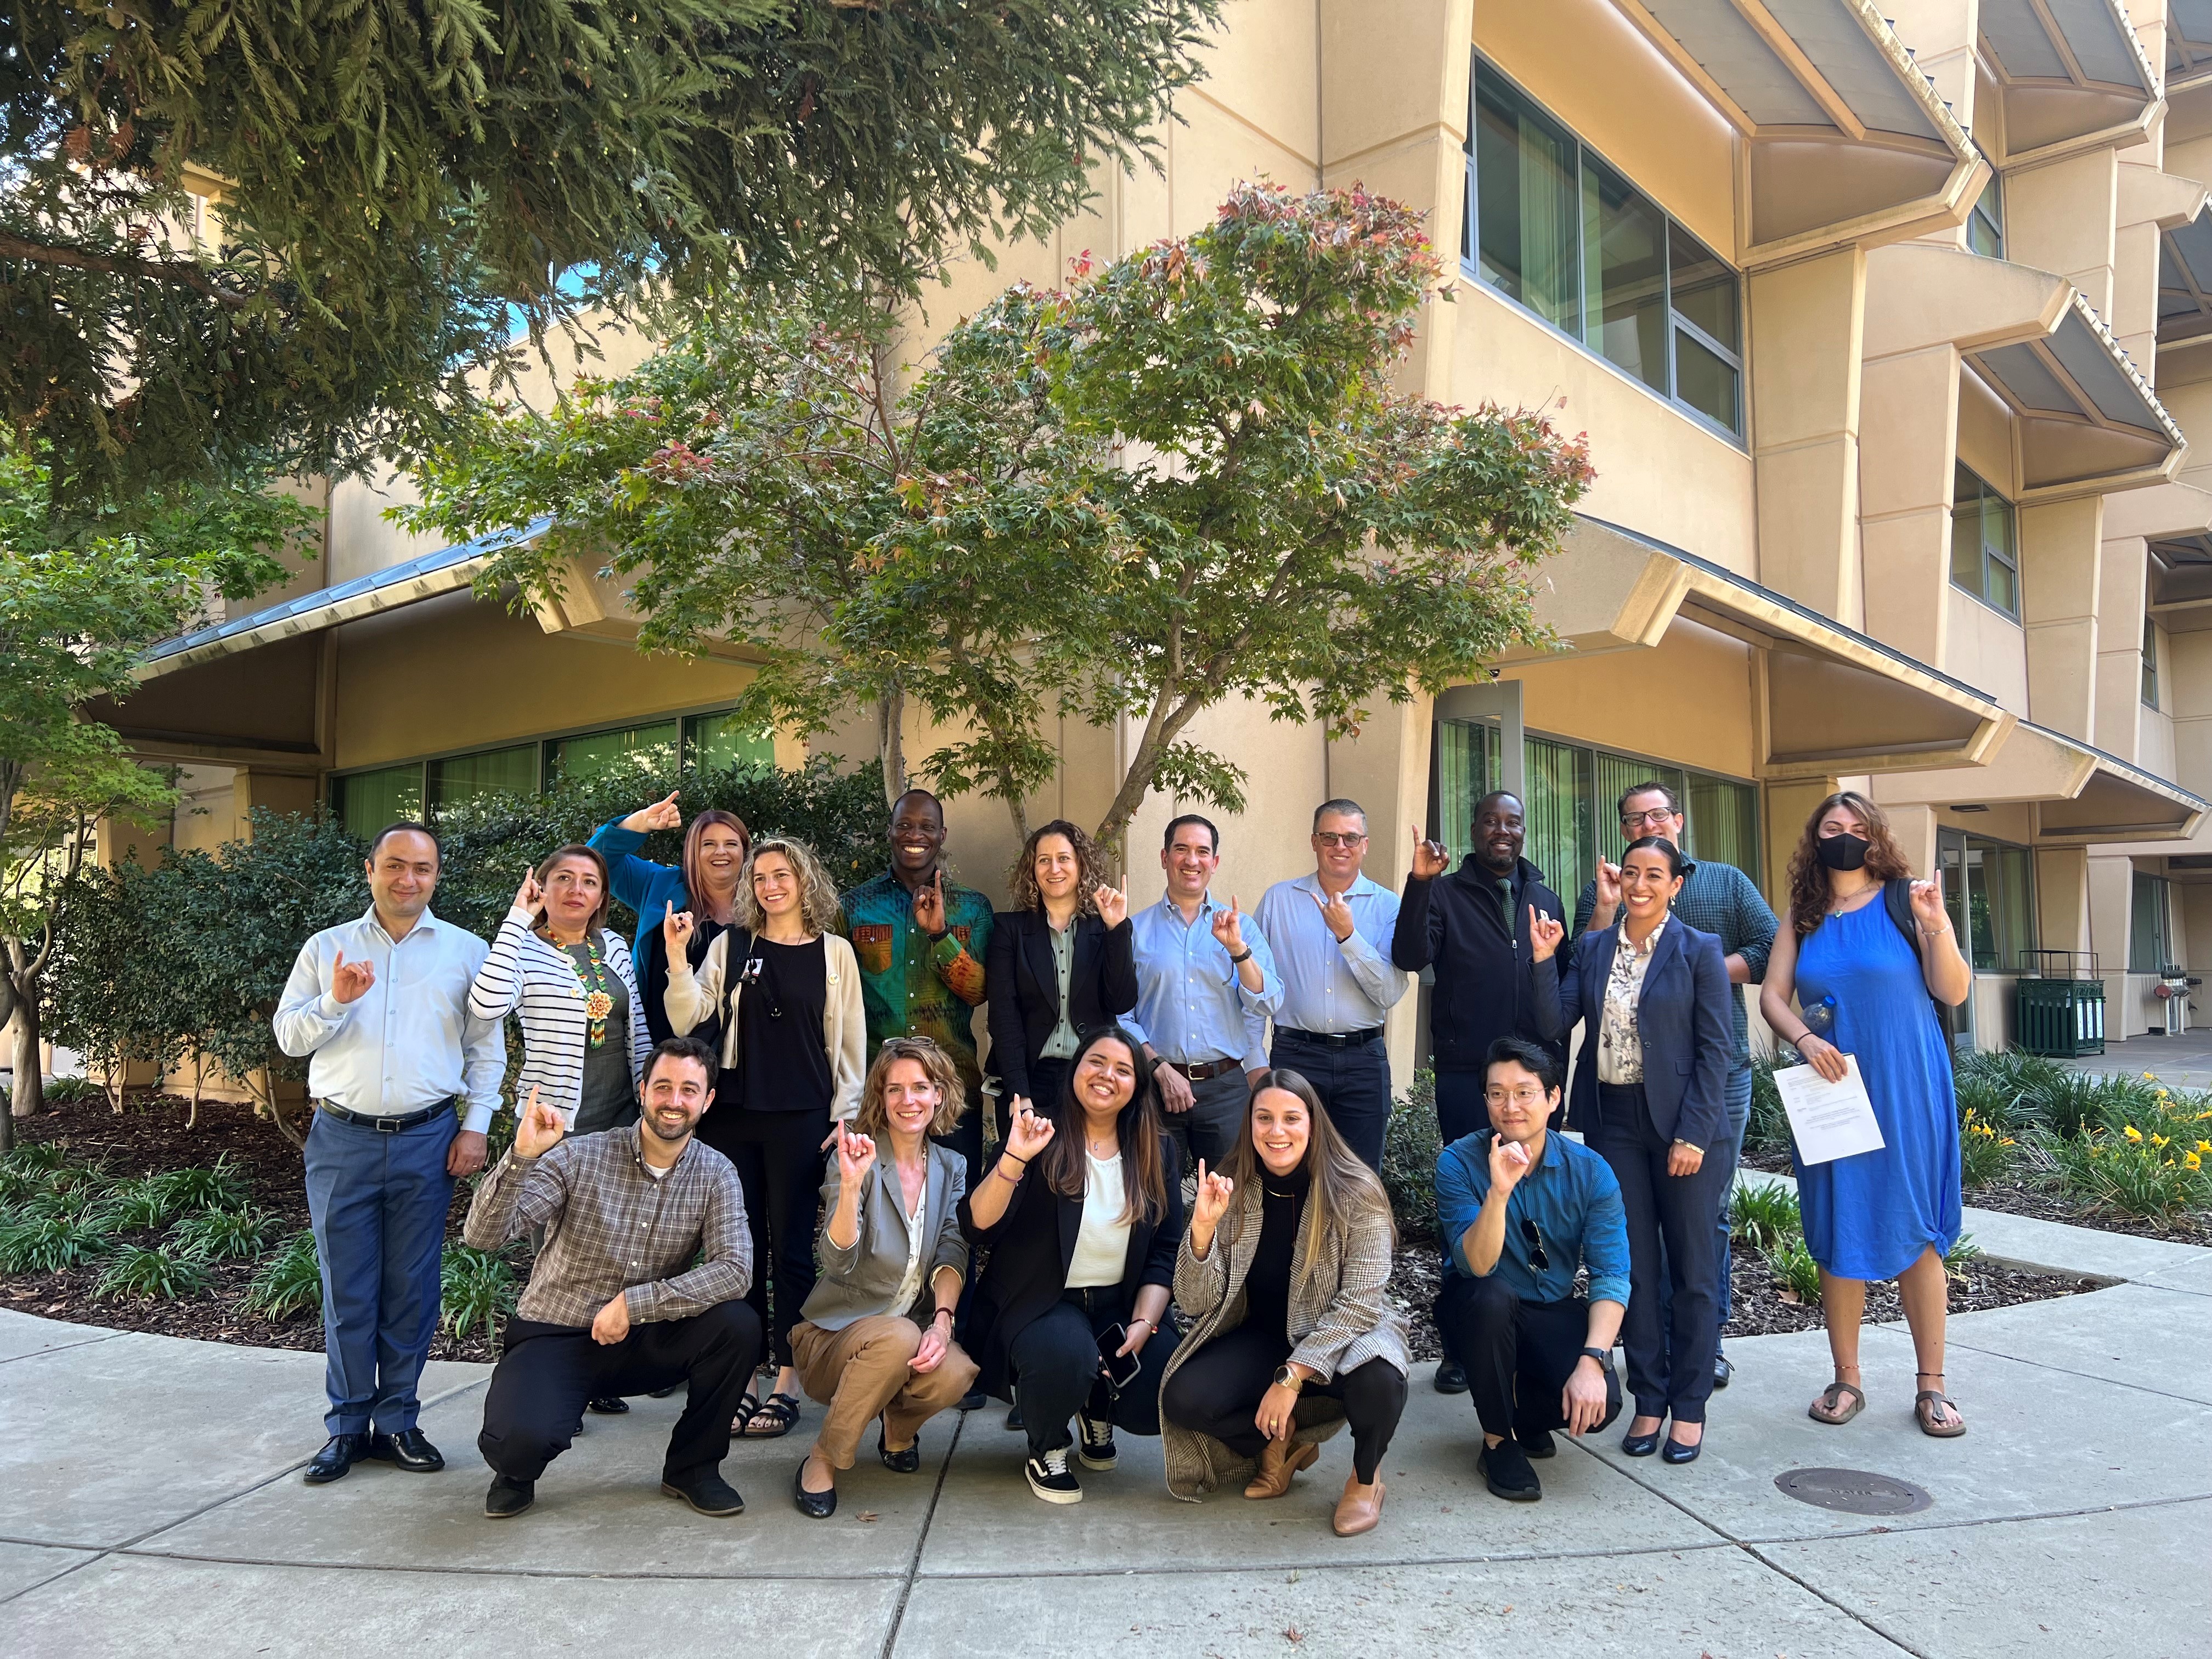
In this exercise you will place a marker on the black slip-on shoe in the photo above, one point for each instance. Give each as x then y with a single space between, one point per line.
339 1454
900 1463
814 1505
1450 1379
508 1498
1536 1443
1723 1371
1505 1468
1676 1452
608 1405
1640 1445
409 1450
706 1492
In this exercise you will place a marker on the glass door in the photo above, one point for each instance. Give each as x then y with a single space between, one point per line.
1951 858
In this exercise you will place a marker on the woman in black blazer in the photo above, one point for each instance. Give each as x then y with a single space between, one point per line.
1082 1215
1649 1095
1060 964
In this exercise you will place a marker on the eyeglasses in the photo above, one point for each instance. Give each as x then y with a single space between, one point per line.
1532 1095
1340 837
1537 1260
1657 818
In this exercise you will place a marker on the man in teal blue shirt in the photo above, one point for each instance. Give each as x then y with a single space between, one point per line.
1521 1209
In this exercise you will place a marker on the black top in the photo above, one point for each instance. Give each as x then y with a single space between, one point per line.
1485 984
608 1099
1023 986
1267 1281
779 1044
705 930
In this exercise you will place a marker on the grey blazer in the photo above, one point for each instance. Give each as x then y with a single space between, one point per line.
857 1283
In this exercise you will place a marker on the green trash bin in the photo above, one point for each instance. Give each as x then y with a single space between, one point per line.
2061 1003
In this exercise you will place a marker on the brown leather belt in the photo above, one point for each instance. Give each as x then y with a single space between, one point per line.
1202 1071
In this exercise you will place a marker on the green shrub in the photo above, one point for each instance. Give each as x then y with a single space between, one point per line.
1767 1129
1962 1252
60 1196
478 1289
70 1091
34 1157
2155 1173
2010 1091
138 1206
1987 1153
1763 1216
1794 1266
140 1274
222 1234
1409 1156
289 1282
221 1187
51 1243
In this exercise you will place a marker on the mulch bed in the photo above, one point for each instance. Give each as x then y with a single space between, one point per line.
150 1137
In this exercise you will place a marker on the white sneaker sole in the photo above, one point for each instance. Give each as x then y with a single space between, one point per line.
1090 1461
1052 1497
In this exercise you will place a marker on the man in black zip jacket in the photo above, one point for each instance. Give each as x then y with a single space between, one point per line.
1473 925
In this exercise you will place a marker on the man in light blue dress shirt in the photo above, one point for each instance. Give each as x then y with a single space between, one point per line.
1206 984
380 1005
1331 933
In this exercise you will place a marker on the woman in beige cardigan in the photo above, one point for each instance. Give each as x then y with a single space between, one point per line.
794 1054
1283 1274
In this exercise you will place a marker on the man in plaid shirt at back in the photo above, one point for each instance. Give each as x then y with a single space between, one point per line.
615 1304
1716 898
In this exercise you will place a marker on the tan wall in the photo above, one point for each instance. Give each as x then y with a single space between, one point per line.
1985 648
1686 701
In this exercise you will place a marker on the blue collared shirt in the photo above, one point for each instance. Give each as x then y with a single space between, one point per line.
1573 1197
1191 1003
409 1040
1328 987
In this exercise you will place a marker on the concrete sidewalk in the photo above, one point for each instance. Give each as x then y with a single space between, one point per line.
151 1503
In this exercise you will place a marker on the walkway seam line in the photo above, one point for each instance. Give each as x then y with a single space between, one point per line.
921 1537
67 1347
91 1560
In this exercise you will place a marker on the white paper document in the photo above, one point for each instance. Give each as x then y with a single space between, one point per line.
1829 1121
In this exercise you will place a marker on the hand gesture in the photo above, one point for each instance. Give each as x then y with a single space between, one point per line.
1212 1201
612 1323
1229 927
1430 857
350 981
1113 904
539 1129
1509 1161
931 1354
855 1154
1027 1133
929 905
676 933
663 814
1276 1418
530 896
1336 914
1175 1093
1608 883
1928 905
1544 935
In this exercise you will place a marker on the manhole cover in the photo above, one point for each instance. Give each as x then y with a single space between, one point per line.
1854 1492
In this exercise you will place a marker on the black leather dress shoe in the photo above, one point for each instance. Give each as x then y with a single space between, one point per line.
900 1463
1676 1452
815 1505
1723 1371
1450 1379
609 1405
339 1454
706 1493
508 1498
1640 1445
408 1449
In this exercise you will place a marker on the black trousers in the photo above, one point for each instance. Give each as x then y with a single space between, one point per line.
1054 1360
546 1373
1673 1235
1353 1084
779 1159
1518 1355
1217 1390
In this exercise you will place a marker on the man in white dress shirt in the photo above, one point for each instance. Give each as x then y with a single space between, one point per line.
1331 933
382 1005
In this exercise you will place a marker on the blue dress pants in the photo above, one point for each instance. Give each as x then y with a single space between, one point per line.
1353 1082
378 1203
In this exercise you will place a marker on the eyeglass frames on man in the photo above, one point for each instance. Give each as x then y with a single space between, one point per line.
1340 837
1657 819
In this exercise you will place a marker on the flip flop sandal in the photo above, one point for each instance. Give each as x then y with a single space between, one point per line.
1831 1401
782 1409
1923 1408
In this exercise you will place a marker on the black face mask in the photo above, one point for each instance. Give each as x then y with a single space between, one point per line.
1843 852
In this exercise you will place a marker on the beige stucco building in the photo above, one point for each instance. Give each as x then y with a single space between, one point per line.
1887 337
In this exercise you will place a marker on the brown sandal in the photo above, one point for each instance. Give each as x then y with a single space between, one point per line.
1827 1408
1923 1408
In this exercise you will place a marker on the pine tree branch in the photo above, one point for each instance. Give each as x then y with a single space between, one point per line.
183 272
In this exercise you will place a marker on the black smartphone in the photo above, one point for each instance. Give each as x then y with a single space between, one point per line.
1120 1368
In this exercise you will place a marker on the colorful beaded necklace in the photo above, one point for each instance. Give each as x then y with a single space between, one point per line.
590 989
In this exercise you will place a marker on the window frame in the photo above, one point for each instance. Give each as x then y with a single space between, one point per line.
1676 323
1982 215
1986 492
2161 894
2149 687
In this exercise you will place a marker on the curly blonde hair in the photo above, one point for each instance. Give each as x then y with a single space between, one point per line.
818 902
1021 878
873 1121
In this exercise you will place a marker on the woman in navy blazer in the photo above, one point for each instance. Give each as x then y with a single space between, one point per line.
1041 1007
1652 993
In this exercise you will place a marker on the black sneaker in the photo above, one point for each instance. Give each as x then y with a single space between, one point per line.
705 1491
1096 1448
1051 1478
1536 1443
1450 1379
1506 1467
1014 1421
508 1498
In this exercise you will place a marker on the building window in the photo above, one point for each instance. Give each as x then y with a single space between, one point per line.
364 802
1553 229
2148 949
1984 559
1986 224
714 742
647 748
461 778
1988 886
2150 663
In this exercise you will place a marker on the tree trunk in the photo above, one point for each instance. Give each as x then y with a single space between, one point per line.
199 1077
265 1097
890 740
30 1094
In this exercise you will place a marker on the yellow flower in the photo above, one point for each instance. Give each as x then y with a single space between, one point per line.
2151 1077
2192 1162
2132 1133
2204 1146
2008 1141
2160 1094
2158 1140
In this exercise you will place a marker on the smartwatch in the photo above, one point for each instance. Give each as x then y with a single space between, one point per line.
1603 1358
1287 1379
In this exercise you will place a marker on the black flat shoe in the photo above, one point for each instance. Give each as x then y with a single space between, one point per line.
608 1405
1450 1379
1504 1469
1676 1452
339 1454
973 1401
1014 1421
1537 1442
1640 1445
815 1505
706 1493
408 1449
1723 1371
508 1498
899 1463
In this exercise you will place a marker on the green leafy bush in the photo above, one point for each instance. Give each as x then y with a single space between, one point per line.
1794 1266
1767 1129
138 1273
2155 1173
221 1185
478 1290
1765 1215
51 1243
289 1282
69 1091
222 1234
1410 1149
1963 1253
34 1157
1987 1153
141 1206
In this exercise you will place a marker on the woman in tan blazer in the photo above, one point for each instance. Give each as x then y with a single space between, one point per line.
794 1052
1283 1274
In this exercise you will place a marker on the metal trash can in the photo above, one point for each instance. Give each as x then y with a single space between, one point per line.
2060 1010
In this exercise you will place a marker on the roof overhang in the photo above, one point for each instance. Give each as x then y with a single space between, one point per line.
2188 44
2070 74
1830 700
2083 795
1845 140
2184 281
2176 520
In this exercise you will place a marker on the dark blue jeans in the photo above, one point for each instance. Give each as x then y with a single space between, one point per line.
1353 1084
378 1205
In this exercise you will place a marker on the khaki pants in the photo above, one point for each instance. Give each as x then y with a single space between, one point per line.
865 1371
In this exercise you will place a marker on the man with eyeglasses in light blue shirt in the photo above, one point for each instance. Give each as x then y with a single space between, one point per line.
1206 984
1331 933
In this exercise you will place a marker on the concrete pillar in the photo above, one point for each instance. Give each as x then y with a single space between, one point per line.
1788 807
2186 692
2059 568
272 792
117 839
2124 581
1940 35
2059 218
1914 826
1386 770
2111 899
1909 401
1807 326
2062 898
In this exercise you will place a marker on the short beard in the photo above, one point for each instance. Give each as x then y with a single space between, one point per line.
1482 858
654 1129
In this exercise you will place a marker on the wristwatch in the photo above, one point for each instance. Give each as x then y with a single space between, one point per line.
1246 957
1286 1377
1604 1359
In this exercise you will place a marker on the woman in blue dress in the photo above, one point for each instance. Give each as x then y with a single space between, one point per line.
1891 1213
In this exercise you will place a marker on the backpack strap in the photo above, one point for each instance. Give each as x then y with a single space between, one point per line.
737 951
1897 899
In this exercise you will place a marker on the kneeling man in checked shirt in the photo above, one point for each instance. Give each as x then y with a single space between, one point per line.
615 1304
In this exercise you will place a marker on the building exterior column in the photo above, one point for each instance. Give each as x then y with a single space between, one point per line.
2059 571
1807 323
